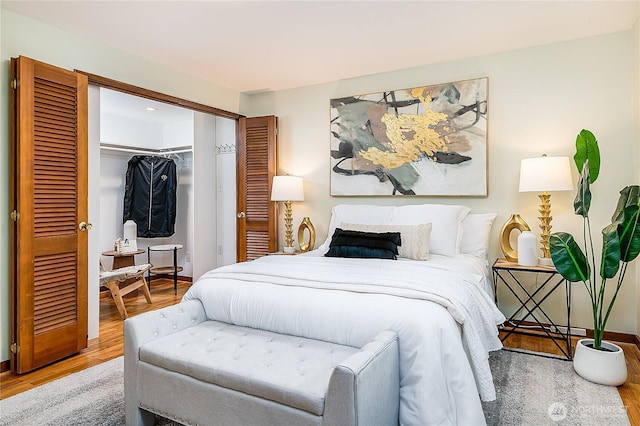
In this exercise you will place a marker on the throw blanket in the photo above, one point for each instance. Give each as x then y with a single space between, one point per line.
446 323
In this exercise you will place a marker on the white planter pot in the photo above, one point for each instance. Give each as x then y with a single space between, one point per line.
602 367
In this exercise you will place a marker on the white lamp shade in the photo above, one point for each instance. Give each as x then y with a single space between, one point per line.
545 174
287 188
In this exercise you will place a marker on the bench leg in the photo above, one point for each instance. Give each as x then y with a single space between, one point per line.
114 289
145 290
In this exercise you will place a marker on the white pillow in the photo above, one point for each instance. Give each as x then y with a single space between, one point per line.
476 230
446 224
414 238
358 213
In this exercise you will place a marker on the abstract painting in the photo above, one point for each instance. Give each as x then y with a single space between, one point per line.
429 140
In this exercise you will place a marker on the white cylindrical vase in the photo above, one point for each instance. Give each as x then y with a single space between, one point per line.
527 255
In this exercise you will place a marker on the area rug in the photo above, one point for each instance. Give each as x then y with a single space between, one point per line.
531 390
539 390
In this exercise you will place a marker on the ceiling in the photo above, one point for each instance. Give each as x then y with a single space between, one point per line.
141 109
255 46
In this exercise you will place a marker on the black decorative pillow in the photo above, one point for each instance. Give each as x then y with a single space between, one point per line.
383 245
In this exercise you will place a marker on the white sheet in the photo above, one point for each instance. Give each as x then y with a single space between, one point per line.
445 322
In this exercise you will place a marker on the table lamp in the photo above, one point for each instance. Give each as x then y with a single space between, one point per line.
545 174
287 189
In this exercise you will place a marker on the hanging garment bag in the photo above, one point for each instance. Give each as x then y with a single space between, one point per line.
150 195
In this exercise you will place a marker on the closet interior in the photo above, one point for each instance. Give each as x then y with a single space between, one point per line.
135 130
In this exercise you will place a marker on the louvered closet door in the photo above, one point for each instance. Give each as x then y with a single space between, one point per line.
256 166
49 194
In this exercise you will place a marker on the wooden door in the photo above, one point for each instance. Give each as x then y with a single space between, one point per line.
256 157
49 202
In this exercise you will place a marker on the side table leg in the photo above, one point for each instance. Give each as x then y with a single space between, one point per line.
175 271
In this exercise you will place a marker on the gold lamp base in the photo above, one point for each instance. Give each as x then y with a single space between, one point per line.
288 228
545 223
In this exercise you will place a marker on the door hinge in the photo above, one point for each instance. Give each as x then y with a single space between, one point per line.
15 348
14 84
15 216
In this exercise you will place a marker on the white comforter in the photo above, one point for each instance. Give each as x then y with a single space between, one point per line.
445 322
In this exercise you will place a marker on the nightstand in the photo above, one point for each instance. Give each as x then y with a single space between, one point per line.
281 253
511 276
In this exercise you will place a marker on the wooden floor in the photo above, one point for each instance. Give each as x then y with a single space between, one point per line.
110 345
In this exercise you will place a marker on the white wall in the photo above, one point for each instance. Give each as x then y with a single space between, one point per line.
177 134
127 131
539 99
93 256
24 36
214 182
119 130
636 150
226 189
204 206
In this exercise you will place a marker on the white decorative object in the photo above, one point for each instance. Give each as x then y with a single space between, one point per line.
129 243
527 255
605 367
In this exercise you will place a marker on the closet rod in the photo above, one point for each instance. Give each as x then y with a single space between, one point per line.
138 150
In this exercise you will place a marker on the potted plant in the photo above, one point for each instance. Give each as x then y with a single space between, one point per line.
620 246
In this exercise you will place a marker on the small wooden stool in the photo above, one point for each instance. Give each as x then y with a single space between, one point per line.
113 279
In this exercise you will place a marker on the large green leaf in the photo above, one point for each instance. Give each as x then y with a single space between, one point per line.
587 149
629 196
629 234
582 202
610 252
568 258
627 219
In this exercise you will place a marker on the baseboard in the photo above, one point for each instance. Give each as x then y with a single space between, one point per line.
616 337
608 335
169 277
5 366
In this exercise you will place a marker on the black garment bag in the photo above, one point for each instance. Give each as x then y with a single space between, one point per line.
150 195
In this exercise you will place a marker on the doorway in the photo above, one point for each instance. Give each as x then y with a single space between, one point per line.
203 148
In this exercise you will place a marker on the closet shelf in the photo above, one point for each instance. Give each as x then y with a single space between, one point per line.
139 150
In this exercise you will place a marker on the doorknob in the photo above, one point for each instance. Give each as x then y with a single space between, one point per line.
241 215
85 226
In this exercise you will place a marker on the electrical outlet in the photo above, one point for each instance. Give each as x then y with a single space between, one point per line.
220 249
188 257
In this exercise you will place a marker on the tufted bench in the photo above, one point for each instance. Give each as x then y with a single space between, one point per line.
185 367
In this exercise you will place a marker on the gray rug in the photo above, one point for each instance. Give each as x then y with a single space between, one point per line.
532 390
537 390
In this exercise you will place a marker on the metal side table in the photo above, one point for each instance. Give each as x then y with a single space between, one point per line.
164 270
530 303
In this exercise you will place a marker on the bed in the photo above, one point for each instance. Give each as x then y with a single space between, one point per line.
435 295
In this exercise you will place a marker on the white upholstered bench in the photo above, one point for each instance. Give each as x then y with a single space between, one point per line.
185 367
